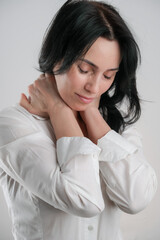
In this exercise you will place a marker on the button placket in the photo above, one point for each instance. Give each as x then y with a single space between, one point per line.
90 228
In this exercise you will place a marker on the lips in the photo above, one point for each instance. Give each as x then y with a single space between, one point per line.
85 99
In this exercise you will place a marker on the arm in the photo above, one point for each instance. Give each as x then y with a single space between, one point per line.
130 181
67 177
67 180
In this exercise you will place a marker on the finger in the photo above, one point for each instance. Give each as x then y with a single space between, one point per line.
42 76
24 102
37 87
47 75
50 76
33 89
29 99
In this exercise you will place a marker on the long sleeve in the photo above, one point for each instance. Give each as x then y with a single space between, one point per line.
65 176
130 180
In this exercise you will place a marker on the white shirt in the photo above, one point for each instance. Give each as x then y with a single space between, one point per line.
70 189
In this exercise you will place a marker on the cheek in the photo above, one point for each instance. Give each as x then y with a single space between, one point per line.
105 87
75 81
66 84
60 82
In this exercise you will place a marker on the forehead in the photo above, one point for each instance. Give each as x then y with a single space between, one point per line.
105 54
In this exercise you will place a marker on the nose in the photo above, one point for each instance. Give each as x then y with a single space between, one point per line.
92 84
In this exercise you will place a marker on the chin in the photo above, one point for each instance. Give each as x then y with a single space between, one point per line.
78 108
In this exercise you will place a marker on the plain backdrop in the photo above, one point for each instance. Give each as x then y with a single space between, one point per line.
22 26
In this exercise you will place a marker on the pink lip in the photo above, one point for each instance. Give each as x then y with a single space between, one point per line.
85 99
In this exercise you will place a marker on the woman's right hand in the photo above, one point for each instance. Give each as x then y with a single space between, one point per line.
43 96
45 101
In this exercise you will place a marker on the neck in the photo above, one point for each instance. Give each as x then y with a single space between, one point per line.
76 114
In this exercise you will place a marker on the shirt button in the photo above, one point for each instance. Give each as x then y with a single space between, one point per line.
90 228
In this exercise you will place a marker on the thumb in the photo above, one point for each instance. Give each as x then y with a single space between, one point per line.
24 102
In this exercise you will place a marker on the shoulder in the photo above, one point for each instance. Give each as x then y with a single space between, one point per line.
15 122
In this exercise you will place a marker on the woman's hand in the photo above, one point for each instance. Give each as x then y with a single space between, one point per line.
45 101
93 105
43 96
95 124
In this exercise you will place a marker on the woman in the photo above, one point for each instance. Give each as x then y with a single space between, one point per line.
71 158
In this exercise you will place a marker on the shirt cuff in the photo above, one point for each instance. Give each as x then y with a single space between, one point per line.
114 147
69 147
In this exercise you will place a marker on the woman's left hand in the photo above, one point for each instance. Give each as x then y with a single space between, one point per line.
93 105
95 124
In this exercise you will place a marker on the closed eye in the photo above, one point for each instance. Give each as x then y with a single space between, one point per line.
107 77
81 70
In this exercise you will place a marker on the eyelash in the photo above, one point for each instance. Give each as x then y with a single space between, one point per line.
85 72
107 77
82 70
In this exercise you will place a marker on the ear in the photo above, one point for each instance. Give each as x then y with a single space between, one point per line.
24 102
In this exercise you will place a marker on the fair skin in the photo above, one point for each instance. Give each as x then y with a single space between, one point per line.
71 99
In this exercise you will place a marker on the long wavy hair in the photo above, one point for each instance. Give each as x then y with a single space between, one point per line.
73 30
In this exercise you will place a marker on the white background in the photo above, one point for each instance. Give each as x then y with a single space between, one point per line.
22 25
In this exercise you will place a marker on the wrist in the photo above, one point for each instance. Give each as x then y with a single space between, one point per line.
64 121
95 124
89 113
55 108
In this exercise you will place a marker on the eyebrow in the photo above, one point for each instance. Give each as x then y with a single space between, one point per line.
95 66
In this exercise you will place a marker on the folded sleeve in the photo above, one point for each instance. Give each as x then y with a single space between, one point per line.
65 176
130 180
